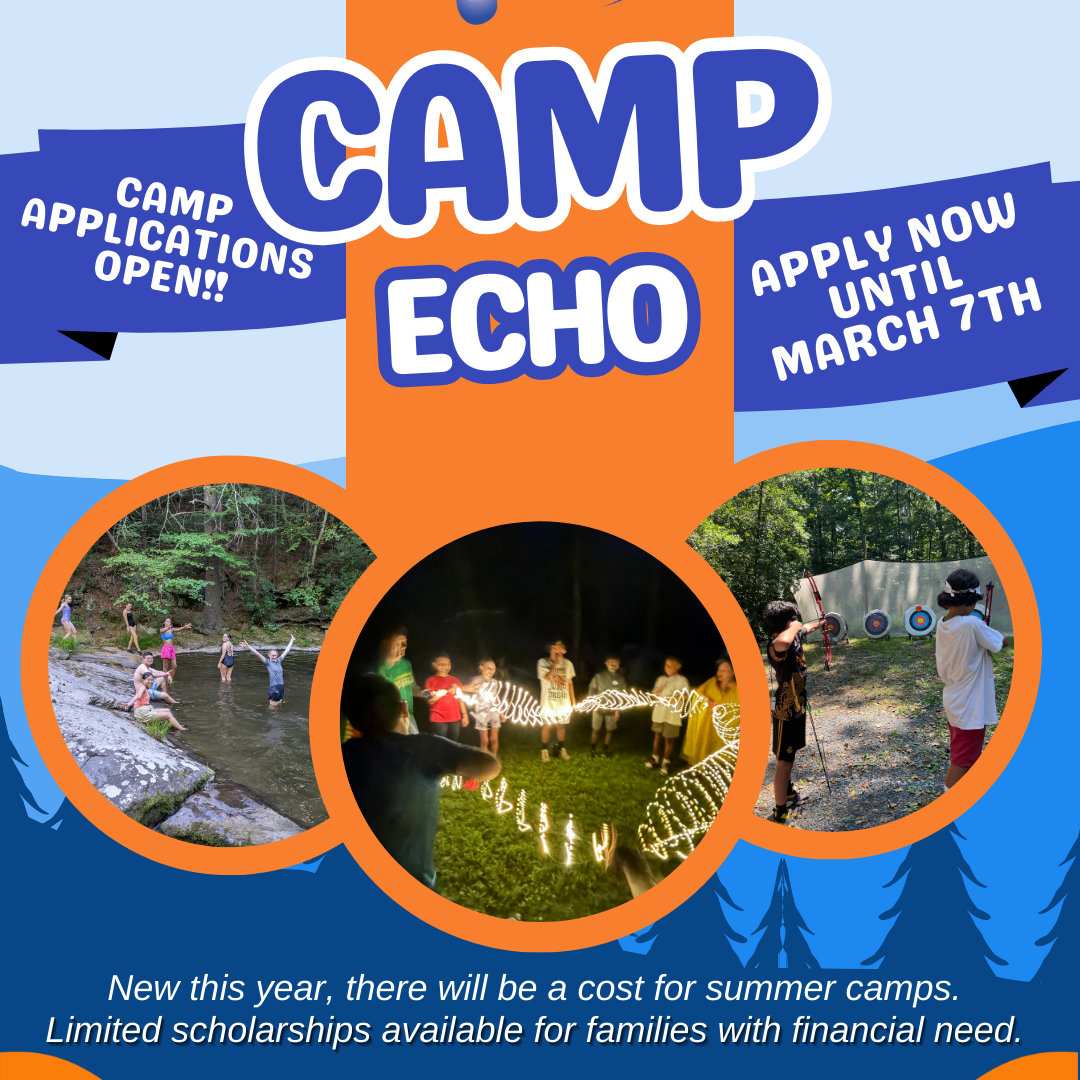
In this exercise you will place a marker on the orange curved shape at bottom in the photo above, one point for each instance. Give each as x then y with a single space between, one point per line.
1055 1066
26 1066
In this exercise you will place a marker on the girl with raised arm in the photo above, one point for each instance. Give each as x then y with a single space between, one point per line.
273 667
168 648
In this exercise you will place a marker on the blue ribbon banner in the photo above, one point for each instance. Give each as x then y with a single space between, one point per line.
178 247
906 292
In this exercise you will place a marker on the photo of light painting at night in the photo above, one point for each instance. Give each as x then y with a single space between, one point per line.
540 721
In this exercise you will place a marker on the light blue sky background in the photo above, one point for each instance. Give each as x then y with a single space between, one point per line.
926 92
950 89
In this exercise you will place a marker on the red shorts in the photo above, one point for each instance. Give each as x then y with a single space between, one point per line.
965 746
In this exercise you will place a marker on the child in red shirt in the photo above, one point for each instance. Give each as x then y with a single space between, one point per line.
448 711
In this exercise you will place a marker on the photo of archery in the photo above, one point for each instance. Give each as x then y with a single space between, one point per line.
886 635
539 721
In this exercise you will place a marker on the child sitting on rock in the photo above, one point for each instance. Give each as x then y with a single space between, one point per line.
144 711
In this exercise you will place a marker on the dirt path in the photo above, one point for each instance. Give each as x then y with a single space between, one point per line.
882 728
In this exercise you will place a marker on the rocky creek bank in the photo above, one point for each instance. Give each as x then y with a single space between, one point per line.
158 782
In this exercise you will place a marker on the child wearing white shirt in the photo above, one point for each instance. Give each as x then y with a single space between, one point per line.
964 644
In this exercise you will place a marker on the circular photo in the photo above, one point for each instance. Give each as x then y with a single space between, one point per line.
886 634
539 721
181 662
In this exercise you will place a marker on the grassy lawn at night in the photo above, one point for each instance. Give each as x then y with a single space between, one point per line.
486 863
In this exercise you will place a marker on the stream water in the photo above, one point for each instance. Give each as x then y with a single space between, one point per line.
232 727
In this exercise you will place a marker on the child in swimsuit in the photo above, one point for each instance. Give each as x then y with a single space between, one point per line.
226 661
64 611
129 625
168 649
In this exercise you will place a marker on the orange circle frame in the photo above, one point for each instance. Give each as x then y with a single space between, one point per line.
503 933
35 677
1027 656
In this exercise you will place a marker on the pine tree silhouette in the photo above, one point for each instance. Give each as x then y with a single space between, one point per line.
685 923
1059 964
934 912
785 930
727 935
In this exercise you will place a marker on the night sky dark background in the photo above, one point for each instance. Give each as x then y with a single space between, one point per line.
508 592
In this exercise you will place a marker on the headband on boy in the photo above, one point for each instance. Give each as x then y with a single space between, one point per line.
960 592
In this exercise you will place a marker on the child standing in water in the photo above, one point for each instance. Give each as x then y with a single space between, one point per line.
225 660
486 713
964 644
130 627
168 649
447 709
64 611
273 667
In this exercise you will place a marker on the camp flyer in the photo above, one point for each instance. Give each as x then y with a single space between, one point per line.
537 539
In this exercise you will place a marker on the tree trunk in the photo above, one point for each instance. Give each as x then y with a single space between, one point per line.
856 493
315 548
941 530
212 594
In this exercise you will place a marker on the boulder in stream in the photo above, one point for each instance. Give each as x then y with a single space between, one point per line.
226 814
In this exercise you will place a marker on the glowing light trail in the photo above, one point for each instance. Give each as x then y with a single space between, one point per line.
518 706
522 824
685 805
502 803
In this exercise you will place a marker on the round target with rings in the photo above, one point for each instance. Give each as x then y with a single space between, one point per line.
877 624
835 626
919 621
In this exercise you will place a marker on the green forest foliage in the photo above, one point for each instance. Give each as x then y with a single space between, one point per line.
762 540
268 548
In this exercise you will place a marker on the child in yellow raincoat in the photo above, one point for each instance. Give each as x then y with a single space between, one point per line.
701 738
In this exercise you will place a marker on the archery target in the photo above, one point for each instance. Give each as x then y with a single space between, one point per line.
919 621
877 624
835 626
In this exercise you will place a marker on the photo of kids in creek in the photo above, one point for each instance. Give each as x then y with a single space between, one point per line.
539 721
182 668
887 637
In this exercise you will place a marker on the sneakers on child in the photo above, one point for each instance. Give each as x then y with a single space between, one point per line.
781 815
652 763
664 769
544 755
564 755
793 798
